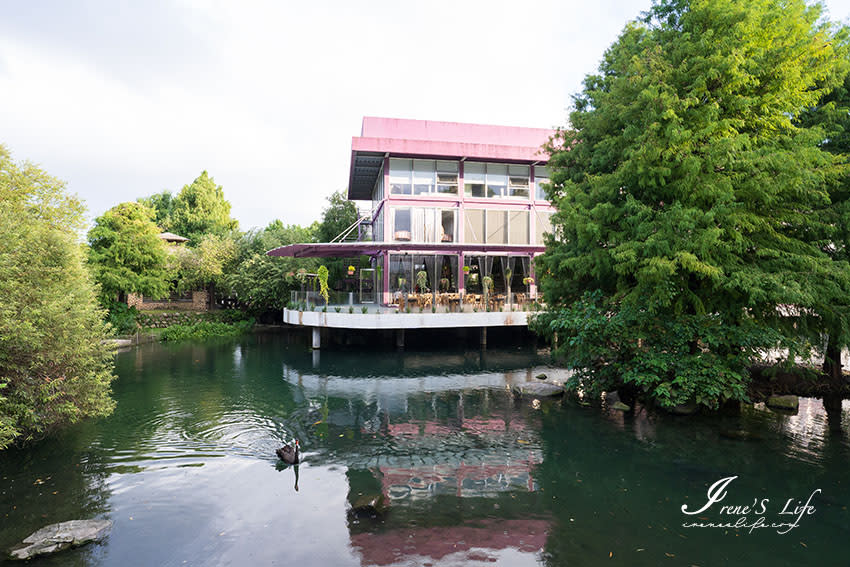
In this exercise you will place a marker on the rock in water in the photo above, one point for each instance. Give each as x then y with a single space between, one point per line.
620 406
63 535
789 403
538 389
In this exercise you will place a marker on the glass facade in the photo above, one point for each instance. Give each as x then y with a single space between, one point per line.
541 178
423 274
496 226
423 177
436 275
423 224
505 273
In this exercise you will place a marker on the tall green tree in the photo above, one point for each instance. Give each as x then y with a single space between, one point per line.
263 283
205 266
339 214
126 253
200 209
162 205
831 117
687 200
55 365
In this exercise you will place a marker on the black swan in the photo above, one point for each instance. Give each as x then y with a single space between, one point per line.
290 454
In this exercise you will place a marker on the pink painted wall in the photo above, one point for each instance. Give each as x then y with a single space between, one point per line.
428 138
399 128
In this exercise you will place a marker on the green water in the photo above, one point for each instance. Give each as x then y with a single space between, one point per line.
416 458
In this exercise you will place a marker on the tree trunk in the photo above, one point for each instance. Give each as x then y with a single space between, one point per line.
832 405
832 363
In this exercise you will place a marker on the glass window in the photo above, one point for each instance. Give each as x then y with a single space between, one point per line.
447 272
474 179
447 229
541 178
423 225
497 227
518 226
474 274
518 181
474 226
400 274
497 180
447 177
544 225
423 176
402 224
400 176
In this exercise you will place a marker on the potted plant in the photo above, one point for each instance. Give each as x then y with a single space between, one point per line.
322 275
350 270
444 284
422 281
487 283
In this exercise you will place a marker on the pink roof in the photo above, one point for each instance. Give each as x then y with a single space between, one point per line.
431 139
456 132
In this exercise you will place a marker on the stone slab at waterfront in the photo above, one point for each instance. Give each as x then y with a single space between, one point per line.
57 537
788 403
538 389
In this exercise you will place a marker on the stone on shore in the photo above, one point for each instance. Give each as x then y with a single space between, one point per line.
538 389
63 535
783 402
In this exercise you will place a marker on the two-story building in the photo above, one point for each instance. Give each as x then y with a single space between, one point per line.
458 211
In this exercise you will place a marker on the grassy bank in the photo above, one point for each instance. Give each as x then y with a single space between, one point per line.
204 330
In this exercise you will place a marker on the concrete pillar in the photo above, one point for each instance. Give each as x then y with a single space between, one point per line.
317 338
483 336
399 338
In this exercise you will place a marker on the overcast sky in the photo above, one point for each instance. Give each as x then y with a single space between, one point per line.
124 99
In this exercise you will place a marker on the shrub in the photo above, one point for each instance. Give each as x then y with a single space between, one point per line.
205 330
122 319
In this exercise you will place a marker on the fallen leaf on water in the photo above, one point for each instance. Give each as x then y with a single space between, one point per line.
803 544
523 441
318 422
610 554
670 554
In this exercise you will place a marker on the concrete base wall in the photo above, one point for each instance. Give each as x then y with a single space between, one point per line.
393 320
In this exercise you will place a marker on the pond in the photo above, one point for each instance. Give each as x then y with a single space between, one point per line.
419 458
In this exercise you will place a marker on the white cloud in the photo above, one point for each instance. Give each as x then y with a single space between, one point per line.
266 95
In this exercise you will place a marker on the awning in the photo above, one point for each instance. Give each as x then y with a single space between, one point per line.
349 249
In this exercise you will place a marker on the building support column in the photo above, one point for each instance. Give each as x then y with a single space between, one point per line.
399 339
483 337
317 338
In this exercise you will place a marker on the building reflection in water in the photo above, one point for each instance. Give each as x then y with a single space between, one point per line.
444 468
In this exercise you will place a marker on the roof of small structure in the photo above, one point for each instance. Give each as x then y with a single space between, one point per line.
348 249
382 137
171 237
